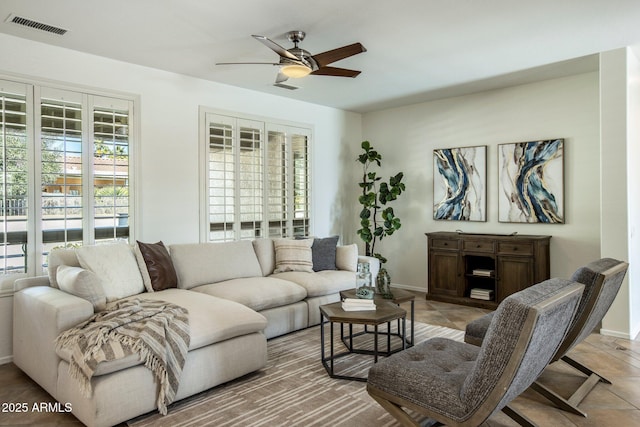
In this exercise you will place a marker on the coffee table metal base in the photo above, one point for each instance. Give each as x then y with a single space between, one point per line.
328 361
399 296
347 340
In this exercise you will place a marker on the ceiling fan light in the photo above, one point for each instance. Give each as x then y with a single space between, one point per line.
295 70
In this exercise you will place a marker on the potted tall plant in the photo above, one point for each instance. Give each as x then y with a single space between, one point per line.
377 220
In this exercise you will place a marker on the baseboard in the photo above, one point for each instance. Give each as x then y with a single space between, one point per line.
616 334
408 287
6 359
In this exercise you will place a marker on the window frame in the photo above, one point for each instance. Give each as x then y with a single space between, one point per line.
92 99
234 119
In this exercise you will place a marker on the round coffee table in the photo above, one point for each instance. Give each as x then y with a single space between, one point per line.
385 312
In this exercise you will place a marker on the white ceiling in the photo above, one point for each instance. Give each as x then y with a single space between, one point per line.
417 50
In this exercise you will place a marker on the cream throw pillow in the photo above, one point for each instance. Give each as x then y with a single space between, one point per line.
293 255
116 266
347 257
58 257
82 283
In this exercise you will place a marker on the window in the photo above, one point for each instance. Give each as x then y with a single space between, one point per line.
14 178
77 173
257 179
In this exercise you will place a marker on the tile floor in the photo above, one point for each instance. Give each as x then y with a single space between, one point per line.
617 359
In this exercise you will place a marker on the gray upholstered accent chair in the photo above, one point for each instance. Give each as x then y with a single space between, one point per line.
602 280
459 384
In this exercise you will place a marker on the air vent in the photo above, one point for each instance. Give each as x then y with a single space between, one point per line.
25 22
285 86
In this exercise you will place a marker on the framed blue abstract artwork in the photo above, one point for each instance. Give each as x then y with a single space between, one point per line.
531 182
460 183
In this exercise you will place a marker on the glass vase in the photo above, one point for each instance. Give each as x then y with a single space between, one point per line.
364 286
383 284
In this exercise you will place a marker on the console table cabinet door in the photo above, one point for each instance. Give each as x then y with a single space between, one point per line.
515 274
444 273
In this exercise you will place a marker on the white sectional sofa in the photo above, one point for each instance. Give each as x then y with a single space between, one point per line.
234 299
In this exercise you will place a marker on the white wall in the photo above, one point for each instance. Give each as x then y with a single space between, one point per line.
613 155
620 106
167 171
562 108
633 195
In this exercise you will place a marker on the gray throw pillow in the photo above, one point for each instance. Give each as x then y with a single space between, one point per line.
323 253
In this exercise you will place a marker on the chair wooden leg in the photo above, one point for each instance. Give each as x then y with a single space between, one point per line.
582 391
396 411
585 370
558 400
571 404
516 416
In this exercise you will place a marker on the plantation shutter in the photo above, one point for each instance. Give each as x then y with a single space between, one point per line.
111 164
64 172
62 199
301 181
250 164
257 179
14 170
221 179
277 188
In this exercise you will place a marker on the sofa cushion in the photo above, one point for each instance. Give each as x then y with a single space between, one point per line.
322 282
82 283
211 320
347 257
266 255
257 293
323 252
116 265
293 255
155 266
204 263
58 257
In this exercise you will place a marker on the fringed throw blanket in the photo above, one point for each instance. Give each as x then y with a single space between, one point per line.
157 331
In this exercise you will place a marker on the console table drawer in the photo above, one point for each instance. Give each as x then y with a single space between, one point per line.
444 244
478 246
515 248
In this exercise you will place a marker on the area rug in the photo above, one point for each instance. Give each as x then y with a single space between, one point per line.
293 389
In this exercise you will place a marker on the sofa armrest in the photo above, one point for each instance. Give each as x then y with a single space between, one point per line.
29 282
40 314
374 265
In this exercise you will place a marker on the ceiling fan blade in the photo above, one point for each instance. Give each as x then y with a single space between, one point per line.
335 71
276 47
281 77
330 56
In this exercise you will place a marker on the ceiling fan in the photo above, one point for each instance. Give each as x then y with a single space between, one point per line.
297 62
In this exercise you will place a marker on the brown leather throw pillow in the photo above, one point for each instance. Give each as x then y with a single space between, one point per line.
159 266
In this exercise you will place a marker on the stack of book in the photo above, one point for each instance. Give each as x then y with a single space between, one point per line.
357 304
482 272
484 294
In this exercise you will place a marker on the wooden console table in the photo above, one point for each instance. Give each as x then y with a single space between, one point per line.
488 266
